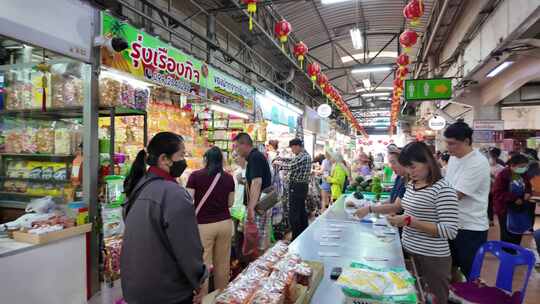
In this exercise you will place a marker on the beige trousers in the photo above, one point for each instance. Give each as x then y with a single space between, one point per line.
216 240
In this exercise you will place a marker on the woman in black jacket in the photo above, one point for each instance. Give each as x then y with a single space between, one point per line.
162 255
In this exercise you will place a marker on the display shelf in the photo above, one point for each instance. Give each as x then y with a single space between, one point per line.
70 112
35 180
25 194
36 155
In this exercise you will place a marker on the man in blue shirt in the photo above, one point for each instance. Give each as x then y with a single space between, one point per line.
398 190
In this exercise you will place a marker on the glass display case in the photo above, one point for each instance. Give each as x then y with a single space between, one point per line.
41 126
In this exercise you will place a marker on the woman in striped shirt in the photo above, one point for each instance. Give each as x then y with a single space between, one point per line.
430 218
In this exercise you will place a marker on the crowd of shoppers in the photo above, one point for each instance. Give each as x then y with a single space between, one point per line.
440 201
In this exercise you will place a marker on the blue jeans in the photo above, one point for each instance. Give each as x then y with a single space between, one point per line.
536 235
464 248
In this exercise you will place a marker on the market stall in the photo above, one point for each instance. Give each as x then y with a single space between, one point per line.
368 252
281 117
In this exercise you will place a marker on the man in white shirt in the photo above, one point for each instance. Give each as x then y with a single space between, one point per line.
468 173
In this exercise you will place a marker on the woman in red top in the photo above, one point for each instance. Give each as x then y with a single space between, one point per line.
213 217
512 189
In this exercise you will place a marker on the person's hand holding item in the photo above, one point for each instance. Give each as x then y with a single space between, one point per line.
397 220
527 196
519 202
362 212
197 296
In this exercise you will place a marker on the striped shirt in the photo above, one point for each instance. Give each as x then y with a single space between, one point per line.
434 204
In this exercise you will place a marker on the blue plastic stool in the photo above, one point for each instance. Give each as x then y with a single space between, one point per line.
507 265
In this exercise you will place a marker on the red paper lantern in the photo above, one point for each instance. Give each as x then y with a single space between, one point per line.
413 11
328 90
300 51
407 39
402 72
403 60
322 80
251 9
313 69
282 30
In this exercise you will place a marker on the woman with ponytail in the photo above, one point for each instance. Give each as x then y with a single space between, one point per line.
162 255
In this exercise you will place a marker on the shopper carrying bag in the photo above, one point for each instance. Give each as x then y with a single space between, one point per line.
511 194
213 192
159 215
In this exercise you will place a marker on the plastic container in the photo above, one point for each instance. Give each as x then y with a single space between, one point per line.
115 189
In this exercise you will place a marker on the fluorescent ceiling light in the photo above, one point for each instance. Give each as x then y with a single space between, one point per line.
360 56
375 89
124 77
501 67
333 1
225 110
376 94
367 83
356 37
371 69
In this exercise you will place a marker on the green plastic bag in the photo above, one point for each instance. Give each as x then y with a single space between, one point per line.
401 273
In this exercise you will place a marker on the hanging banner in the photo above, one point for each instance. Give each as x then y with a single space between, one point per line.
428 89
151 59
231 92
278 111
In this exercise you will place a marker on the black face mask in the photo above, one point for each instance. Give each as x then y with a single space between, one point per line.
177 168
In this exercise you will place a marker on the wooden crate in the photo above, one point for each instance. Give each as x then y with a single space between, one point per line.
303 294
40 239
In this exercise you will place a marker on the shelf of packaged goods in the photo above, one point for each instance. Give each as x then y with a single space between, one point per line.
36 155
26 194
69 112
222 129
35 180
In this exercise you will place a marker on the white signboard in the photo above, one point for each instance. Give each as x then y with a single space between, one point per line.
491 125
62 26
437 123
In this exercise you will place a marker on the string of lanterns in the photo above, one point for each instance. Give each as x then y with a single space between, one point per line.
412 12
282 30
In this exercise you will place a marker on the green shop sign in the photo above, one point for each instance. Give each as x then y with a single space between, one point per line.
151 59
428 89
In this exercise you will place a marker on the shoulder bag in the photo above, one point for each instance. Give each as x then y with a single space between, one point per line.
207 194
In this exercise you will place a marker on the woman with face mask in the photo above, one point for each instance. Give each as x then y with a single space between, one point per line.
213 192
512 191
162 255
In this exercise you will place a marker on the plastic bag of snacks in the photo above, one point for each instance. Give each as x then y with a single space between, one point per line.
109 90
363 282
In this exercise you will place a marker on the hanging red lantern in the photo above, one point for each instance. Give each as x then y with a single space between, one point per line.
413 11
282 30
322 80
402 72
328 90
398 83
300 51
407 39
313 69
251 9
403 60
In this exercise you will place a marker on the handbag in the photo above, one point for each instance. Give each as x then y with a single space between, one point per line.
518 219
207 194
267 200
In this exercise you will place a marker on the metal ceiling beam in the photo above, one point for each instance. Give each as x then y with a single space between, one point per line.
339 38
234 8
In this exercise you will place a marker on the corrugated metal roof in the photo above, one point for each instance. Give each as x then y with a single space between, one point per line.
312 22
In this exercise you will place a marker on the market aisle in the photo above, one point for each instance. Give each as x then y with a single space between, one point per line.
489 271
